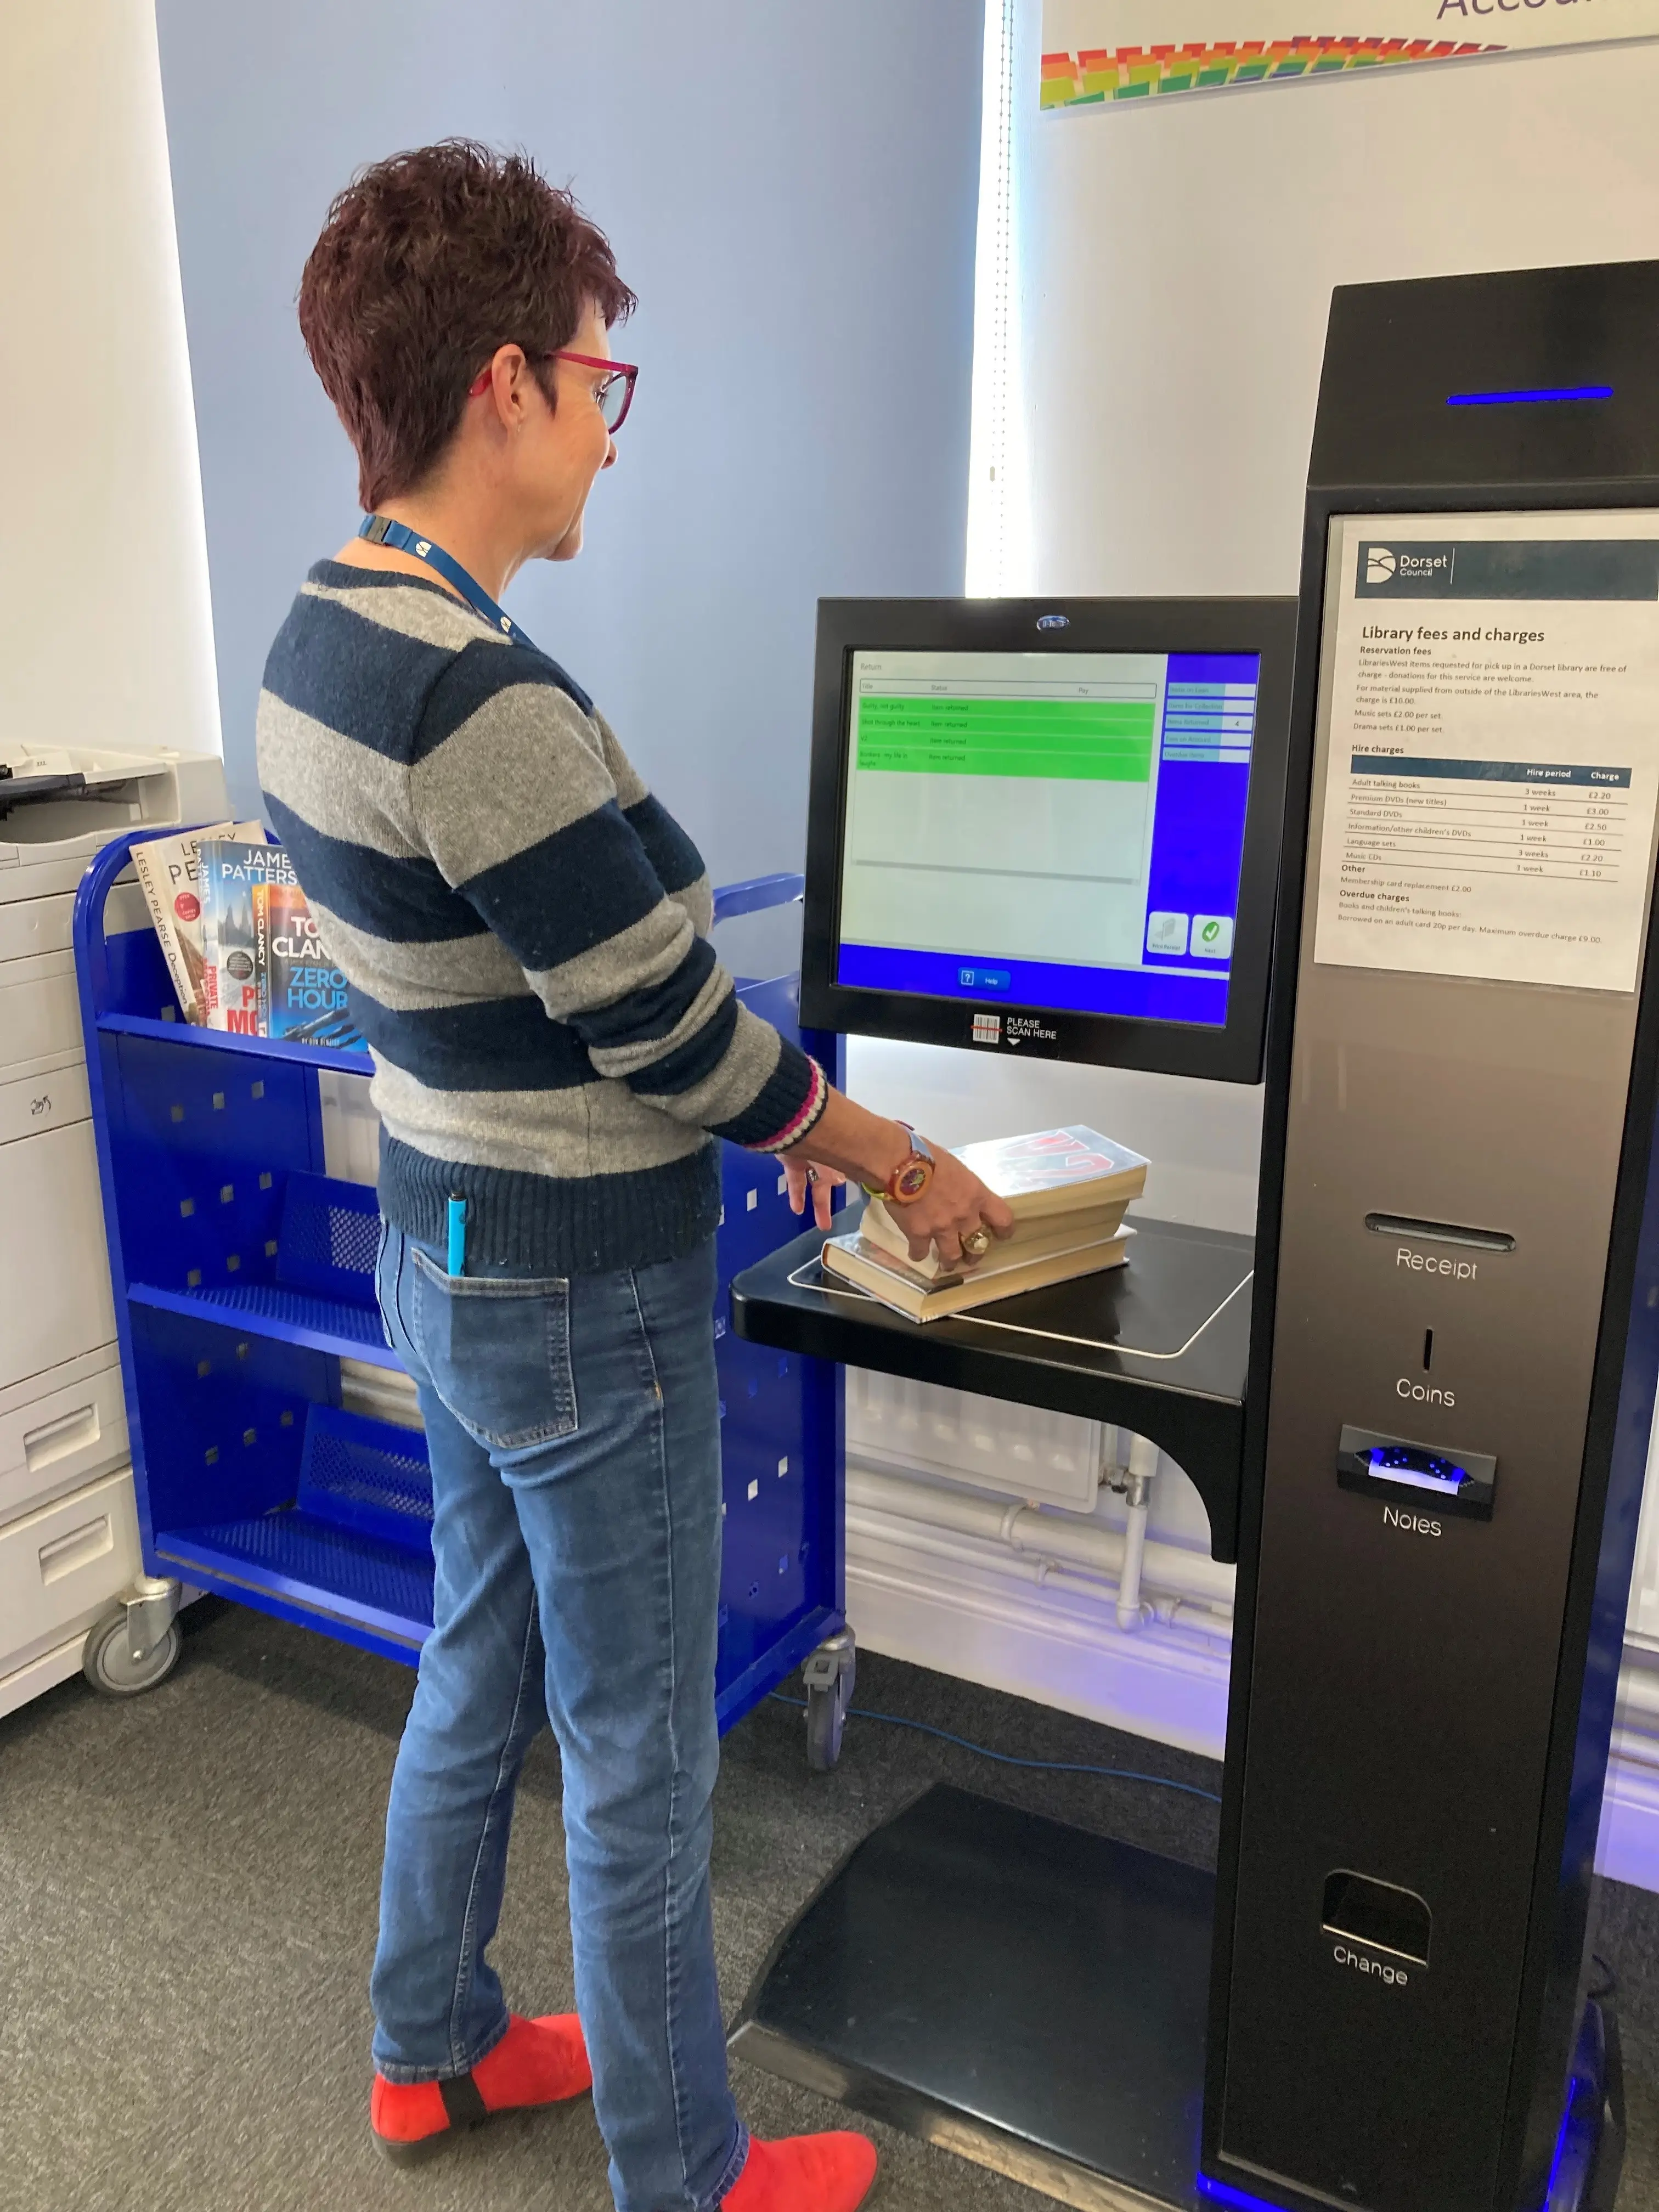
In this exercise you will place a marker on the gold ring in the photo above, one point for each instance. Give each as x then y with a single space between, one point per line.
977 1242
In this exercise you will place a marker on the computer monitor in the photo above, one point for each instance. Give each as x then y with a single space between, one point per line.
1048 827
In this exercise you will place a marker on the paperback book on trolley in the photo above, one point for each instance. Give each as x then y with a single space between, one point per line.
169 871
230 868
302 994
266 971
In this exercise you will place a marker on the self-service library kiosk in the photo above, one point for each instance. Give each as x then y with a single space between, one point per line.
1457 1289
1455 1329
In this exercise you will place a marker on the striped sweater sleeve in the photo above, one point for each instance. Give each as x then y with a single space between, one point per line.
529 810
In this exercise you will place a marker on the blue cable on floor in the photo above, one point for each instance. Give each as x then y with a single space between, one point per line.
1005 1758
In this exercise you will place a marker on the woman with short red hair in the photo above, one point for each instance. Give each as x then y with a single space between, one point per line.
524 930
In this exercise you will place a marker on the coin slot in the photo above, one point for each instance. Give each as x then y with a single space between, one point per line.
1428 1349
1439 1232
1378 1914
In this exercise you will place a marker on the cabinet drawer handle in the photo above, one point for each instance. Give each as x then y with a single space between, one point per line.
76 1550
54 1440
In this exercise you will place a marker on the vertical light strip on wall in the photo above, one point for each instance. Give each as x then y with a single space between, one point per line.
996 539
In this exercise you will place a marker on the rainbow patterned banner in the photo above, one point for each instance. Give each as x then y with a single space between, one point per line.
1098 50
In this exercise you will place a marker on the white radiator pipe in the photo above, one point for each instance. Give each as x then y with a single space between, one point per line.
1189 1616
1129 1612
1027 1529
1139 1469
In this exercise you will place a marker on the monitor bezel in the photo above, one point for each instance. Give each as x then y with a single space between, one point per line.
1227 1053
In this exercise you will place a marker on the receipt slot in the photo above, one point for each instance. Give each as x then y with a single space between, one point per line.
1457 1299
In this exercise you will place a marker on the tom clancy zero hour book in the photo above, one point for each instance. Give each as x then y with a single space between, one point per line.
302 994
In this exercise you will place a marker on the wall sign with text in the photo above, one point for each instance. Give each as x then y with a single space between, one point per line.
1098 51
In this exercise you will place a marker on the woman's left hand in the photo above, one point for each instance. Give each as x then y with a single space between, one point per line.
803 1176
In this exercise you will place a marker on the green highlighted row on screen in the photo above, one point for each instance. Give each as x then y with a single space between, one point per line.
1090 740
1060 717
1114 763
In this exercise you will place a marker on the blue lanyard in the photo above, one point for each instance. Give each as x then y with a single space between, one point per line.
380 530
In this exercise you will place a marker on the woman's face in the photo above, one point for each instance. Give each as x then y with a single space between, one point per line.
566 446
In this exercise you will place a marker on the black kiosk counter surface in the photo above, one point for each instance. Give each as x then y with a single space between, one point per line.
1158 1346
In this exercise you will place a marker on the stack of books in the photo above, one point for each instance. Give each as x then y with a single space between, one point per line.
238 940
1066 1189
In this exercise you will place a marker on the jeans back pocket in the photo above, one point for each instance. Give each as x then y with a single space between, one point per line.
498 1351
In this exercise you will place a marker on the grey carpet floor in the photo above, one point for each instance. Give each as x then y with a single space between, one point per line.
187 1905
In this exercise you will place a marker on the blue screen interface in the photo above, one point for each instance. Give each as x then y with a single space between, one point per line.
1062 832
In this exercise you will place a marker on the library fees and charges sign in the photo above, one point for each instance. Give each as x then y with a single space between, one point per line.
1095 52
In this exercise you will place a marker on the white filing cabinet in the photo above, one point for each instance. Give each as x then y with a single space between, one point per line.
68 1530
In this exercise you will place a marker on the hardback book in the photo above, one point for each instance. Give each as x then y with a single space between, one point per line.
1055 1171
169 873
231 868
882 1225
303 995
898 1284
1064 1188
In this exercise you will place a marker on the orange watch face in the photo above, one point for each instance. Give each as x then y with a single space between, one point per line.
911 1180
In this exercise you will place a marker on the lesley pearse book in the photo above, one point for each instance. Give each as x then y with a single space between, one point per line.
169 873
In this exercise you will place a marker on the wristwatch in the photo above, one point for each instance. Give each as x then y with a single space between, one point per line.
910 1178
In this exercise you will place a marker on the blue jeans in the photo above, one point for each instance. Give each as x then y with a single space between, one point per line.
575 1438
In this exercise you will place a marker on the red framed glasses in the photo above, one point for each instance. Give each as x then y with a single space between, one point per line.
613 395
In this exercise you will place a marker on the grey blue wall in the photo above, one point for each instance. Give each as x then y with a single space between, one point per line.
790 190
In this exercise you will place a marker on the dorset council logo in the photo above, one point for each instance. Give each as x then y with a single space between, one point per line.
1379 564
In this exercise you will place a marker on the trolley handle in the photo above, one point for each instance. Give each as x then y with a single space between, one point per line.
757 894
91 945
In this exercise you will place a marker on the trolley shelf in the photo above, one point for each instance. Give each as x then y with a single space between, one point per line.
336 1325
247 1047
378 1590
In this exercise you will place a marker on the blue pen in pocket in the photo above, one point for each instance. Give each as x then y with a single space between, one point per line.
456 1261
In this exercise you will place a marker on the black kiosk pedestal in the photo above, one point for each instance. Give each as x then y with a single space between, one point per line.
953 1972
1455 1328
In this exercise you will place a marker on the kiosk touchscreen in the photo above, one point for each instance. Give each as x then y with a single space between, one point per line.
1049 826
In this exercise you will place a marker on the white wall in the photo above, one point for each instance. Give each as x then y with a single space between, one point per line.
105 619
1179 256
1176 262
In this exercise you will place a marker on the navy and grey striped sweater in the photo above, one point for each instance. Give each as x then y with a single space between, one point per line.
524 931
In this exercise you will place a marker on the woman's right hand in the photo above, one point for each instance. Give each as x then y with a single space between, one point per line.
867 1148
955 1203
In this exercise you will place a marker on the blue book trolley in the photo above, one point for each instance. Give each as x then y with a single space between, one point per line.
243 1275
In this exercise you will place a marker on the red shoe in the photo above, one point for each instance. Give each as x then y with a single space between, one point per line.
537 2062
804 2173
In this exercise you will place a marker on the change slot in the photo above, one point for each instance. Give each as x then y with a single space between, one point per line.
1378 1914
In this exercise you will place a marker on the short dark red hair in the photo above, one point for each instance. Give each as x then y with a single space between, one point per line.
428 262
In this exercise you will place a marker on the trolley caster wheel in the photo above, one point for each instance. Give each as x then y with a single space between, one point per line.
829 1675
108 1663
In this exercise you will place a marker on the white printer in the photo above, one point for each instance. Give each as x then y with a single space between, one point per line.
69 1534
